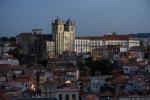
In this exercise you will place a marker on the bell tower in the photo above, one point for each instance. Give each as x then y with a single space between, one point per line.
70 33
57 33
64 35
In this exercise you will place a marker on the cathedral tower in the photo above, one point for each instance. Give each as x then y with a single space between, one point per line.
63 35
69 35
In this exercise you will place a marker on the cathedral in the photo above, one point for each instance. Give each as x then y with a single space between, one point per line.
63 33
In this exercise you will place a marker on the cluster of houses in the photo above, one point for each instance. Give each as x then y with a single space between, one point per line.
61 83
61 79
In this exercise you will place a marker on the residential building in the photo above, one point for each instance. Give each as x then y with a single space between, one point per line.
147 68
130 69
136 53
9 61
96 83
111 52
134 97
7 46
133 42
69 91
50 48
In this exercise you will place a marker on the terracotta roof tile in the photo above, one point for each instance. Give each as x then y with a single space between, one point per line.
116 37
105 37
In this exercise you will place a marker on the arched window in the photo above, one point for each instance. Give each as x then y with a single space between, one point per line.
71 28
60 96
67 97
73 97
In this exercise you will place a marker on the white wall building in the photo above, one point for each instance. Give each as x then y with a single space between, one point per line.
6 46
133 42
50 49
147 68
9 61
82 45
127 69
87 44
96 82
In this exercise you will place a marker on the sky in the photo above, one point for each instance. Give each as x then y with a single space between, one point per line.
92 17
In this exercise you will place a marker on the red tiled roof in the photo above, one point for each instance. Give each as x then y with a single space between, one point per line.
116 37
22 79
121 79
91 97
90 37
13 44
69 85
106 93
110 47
4 97
106 37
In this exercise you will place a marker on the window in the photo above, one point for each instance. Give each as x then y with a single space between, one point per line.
99 43
60 96
60 27
73 97
71 28
67 97
95 43
92 43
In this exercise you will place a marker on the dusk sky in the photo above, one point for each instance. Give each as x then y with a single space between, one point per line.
92 17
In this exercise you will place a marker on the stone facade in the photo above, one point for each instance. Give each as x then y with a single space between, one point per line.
63 35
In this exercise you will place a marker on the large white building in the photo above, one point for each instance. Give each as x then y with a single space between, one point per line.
87 44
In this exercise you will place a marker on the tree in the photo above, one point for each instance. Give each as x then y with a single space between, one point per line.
3 39
104 67
147 52
13 39
44 62
15 53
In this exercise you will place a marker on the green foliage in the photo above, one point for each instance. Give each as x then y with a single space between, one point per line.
3 39
15 53
12 39
44 62
103 66
147 52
